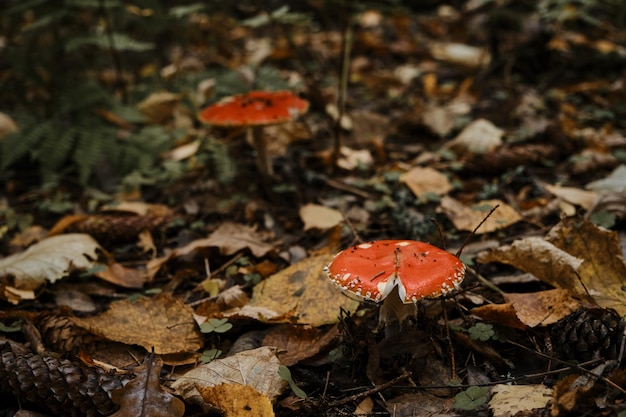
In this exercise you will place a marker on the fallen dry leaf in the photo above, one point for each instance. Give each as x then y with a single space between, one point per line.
479 137
582 198
144 396
124 277
315 216
508 400
229 238
603 272
578 256
351 159
615 181
303 291
426 180
468 217
529 309
49 260
296 343
539 257
162 323
159 107
236 400
257 368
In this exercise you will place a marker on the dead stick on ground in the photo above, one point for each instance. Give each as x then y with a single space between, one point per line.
371 391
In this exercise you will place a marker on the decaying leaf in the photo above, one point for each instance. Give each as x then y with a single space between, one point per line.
49 260
615 182
295 343
354 158
603 272
236 400
426 180
144 396
540 258
508 400
229 238
162 323
257 368
303 291
578 256
315 216
530 309
468 217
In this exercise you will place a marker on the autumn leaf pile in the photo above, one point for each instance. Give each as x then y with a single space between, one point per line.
205 294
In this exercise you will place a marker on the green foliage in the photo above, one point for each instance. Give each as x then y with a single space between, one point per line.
285 374
603 218
481 331
471 398
216 325
210 355
61 147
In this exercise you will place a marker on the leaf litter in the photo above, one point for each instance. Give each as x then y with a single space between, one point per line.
431 128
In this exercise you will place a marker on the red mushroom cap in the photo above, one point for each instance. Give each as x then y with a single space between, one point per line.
372 270
255 108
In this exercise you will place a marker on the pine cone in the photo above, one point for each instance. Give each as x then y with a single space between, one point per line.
60 386
588 334
60 334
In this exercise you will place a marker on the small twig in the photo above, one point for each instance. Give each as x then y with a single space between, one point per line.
344 75
371 391
573 366
484 280
475 230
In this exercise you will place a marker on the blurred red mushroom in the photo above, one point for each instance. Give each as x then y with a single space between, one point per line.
397 271
255 110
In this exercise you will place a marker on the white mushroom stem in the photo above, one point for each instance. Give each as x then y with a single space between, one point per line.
263 158
393 309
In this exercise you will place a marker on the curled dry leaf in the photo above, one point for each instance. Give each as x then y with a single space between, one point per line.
616 181
578 256
479 137
144 396
302 294
162 323
257 368
467 217
235 400
49 260
426 180
159 107
530 309
315 216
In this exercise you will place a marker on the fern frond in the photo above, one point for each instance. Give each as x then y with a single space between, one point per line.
90 149
56 149
23 142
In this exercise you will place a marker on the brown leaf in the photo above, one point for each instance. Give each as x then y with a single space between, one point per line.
144 396
295 343
603 272
542 308
468 217
503 314
257 368
236 400
315 216
124 277
162 323
304 291
426 180
540 258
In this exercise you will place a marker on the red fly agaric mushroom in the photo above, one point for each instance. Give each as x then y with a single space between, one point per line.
396 270
256 109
